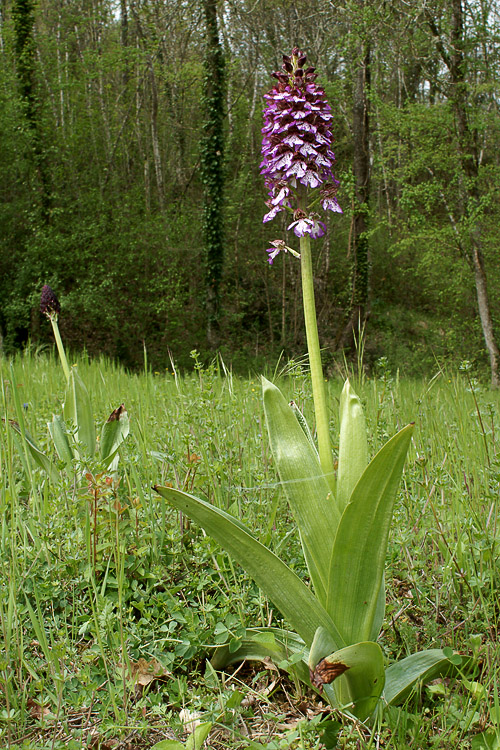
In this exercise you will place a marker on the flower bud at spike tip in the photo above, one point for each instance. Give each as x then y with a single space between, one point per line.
297 156
49 304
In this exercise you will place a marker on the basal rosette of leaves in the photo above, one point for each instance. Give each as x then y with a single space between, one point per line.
332 644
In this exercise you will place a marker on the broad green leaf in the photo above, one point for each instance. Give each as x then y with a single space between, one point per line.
60 438
198 737
358 555
296 602
353 446
38 456
308 491
403 676
78 410
113 433
168 745
359 688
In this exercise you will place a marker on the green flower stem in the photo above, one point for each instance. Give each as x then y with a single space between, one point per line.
60 347
318 383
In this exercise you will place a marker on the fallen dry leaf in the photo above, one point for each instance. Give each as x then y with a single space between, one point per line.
36 710
143 673
99 744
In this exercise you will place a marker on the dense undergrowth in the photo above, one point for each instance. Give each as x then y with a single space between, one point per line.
112 602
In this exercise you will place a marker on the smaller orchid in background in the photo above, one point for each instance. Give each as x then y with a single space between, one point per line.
50 306
74 435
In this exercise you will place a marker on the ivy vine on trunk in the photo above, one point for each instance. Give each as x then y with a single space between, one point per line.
23 16
212 172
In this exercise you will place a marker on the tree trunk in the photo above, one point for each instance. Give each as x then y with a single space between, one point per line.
485 312
23 14
212 168
124 41
155 138
357 312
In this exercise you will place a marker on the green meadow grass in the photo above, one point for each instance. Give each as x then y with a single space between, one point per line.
111 601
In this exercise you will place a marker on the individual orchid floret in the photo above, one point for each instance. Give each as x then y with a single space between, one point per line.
304 224
297 155
279 246
328 195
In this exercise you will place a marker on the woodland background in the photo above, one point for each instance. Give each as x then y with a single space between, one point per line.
129 162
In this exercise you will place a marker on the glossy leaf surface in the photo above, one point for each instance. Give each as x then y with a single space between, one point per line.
359 688
358 555
403 676
353 446
308 492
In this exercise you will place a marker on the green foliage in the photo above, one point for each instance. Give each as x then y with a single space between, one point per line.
162 590
81 207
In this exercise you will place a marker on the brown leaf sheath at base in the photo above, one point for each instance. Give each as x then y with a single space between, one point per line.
326 672
116 413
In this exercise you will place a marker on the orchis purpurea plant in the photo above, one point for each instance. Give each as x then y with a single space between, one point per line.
343 519
297 166
74 437
49 306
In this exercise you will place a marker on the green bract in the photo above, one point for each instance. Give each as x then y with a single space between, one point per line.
344 539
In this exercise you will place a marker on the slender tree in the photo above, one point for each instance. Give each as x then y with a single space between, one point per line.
360 261
469 161
357 311
212 151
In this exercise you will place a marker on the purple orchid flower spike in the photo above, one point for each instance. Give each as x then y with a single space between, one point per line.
297 156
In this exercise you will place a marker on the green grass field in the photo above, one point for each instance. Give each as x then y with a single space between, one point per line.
111 602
